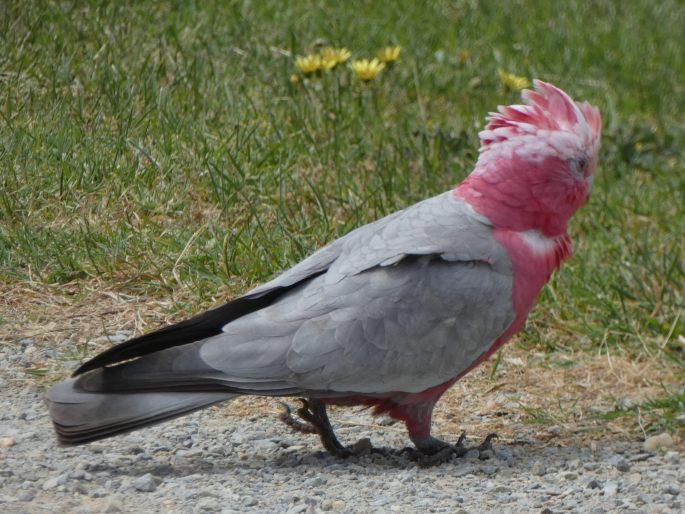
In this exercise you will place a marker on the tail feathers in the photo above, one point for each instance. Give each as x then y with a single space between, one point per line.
81 416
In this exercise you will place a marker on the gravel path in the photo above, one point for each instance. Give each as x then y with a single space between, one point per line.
220 461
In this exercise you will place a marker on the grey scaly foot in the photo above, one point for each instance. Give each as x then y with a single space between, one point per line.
433 451
316 421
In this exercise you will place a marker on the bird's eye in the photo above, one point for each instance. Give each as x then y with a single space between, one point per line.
583 164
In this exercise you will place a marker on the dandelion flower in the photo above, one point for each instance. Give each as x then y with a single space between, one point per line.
512 82
294 78
309 64
366 69
331 57
389 53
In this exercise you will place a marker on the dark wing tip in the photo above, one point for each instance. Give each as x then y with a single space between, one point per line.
201 326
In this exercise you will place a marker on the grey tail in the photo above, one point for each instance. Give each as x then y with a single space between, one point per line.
81 416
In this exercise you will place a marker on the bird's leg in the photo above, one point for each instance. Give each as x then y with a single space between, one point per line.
433 451
314 412
316 421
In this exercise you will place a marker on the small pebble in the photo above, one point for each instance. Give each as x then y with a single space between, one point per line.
644 498
672 490
249 501
146 483
6 442
672 457
54 482
610 489
504 454
620 464
538 468
362 445
655 442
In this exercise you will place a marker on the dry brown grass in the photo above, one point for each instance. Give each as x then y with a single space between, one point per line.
529 392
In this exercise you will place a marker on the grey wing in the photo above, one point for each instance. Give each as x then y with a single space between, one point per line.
407 303
402 304
405 327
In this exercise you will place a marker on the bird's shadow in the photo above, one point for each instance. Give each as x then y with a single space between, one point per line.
522 456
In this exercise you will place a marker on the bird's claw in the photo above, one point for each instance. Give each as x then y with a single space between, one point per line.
484 451
286 416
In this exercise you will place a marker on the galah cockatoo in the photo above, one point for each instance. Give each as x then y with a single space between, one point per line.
388 316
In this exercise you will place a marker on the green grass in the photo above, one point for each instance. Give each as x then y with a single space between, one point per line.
161 147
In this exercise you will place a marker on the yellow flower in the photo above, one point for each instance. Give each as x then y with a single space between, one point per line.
294 78
512 82
366 69
309 64
389 53
331 57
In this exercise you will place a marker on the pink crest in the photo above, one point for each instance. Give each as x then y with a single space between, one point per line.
547 108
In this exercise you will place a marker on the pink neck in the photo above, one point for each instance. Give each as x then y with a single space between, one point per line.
532 269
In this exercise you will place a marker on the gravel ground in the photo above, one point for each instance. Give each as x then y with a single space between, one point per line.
221 460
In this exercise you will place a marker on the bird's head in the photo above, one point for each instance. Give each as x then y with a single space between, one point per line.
536 161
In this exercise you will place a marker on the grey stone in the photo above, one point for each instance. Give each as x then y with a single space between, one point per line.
53 482
620 463
644 498
672 457
489 470
311 483
672 490
610 489
538 469
146 483
26 496
504 454
249 501
207 505
264 444
655 442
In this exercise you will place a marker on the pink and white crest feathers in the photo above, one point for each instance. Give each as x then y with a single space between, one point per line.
549 113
